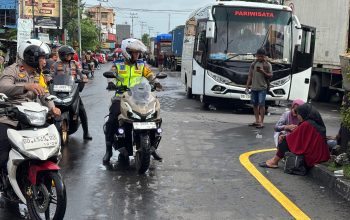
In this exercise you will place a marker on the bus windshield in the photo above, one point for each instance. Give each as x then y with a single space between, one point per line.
241 31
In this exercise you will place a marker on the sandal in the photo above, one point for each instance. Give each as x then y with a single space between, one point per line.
259 126
254 124
264 165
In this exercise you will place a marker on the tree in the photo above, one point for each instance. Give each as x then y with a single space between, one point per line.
89 33
145 39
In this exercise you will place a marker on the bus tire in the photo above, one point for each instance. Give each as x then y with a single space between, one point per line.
315 90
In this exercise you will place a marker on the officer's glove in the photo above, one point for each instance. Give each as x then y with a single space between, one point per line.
111 86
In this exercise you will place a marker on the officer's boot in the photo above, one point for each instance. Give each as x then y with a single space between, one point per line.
84 123
108 153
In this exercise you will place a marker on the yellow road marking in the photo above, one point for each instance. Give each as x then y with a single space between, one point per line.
276 193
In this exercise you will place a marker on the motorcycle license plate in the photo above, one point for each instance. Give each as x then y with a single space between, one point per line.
62 88
45 141
144 125
245 96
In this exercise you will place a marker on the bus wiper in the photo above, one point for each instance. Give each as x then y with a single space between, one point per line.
238 54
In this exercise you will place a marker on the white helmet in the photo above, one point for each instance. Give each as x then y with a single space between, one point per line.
41 44
30 53
132 44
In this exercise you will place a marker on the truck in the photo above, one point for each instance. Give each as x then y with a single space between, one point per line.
221 39
331 19
176 47
162 47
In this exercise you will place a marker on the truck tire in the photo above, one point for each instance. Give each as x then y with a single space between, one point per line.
315 90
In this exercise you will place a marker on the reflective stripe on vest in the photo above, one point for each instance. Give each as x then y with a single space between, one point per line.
129 74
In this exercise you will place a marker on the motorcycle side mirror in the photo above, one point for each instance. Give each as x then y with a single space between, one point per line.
109 75
161 76
51 98
3 97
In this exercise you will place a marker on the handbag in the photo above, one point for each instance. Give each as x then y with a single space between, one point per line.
294 164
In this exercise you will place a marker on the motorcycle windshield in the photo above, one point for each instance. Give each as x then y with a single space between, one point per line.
63 83
141 92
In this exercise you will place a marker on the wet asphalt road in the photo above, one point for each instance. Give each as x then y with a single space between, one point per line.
201 176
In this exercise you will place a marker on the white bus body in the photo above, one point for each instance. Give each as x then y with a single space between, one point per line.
216 67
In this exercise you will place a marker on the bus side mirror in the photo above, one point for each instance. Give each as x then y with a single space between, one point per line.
210 32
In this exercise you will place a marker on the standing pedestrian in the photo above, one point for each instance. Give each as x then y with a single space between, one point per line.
259 74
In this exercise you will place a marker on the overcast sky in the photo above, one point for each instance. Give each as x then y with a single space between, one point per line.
159 21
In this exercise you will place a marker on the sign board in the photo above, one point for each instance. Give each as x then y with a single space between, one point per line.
47 13
24 30
44 38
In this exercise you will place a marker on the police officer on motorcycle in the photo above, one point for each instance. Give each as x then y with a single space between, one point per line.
67 65
128 69
20 83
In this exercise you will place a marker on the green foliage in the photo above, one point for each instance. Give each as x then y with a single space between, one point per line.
345 111
89 35
332 166
145 39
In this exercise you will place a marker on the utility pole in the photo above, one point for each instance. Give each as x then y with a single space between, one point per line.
34 35
79 29
99 18
142 23
169 23
132 16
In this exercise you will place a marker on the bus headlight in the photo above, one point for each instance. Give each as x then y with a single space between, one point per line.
280 82
218 78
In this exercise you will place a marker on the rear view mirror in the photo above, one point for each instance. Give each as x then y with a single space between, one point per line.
161 76
109 75
210 32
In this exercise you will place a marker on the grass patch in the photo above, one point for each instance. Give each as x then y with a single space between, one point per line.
332 166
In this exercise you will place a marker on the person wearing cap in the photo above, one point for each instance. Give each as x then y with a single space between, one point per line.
132 67
20 82
258 80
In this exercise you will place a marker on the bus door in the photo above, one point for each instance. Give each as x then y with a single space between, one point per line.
302 64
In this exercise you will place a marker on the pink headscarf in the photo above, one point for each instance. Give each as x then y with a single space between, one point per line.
298 102
291 118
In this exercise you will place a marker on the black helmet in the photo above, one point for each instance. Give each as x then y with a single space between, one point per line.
65 50
30 54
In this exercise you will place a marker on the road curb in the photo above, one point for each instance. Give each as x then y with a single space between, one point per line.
339 185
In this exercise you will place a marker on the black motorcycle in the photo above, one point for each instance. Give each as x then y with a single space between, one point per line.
67 89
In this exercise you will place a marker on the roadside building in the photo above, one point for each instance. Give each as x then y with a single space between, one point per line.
123 32
104 18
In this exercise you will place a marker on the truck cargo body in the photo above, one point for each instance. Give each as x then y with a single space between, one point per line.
162 47
176 48
331 19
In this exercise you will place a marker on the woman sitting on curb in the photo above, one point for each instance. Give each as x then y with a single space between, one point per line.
287 123
308 139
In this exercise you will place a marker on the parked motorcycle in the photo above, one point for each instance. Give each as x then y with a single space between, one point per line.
139 123
67 89
32 176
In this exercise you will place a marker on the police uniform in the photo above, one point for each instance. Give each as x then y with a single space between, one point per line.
72 68
129 73
12 83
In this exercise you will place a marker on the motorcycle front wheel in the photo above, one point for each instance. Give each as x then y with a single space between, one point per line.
64 133
50 201
143 155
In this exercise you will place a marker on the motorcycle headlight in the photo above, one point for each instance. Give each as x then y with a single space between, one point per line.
36 118
218 78
133 115
280 82
152 113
